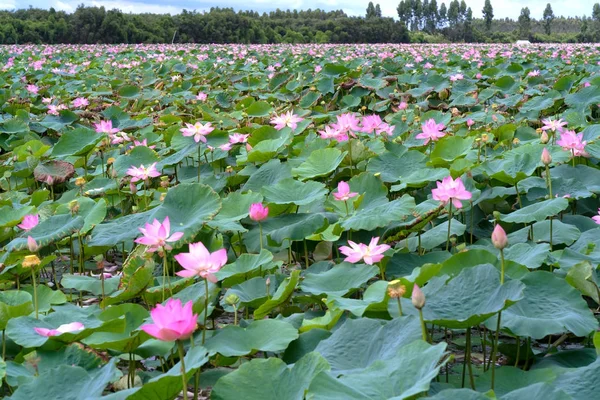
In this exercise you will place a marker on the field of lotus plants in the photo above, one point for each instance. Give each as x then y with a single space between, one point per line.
299 222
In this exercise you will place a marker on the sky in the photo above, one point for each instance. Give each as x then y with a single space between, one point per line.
502 8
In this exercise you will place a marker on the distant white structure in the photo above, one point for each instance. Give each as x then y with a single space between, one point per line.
523 42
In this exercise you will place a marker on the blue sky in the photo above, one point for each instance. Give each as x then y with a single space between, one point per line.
502 8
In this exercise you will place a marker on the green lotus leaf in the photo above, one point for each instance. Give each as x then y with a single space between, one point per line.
285 382
339 280
550 306
466 300
408 373
262 335
189 206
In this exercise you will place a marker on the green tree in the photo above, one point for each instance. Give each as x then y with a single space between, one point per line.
488 14
548 18
371 10
525 23
442 16
378 11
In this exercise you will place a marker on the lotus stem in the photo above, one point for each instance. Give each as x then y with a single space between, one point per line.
260 232
468 356
423 327
381 271
502 266
181 358
35 297
347 209
350 155
518 196
449 222
495 350
199 155
205 310
518 351
399 306
102 286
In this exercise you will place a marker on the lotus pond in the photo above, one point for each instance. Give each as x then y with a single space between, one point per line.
300 222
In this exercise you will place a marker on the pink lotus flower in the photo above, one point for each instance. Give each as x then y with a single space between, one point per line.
288 119
374 124
156 235
80 102
143 143
142 173
258 212
199 261
431 131
451 190
235 138
105 127
533 73
403 105
347 123
553 125
198 131
596 218
65 328
201 96
33 89
573 142
371 254
172 321
343 192
29 222
470 122
330 132
456 77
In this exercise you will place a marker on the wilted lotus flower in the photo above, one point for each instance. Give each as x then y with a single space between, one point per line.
172 321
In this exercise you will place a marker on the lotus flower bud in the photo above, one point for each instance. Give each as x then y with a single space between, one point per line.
499 238
544 138
546 157
32 244
418 297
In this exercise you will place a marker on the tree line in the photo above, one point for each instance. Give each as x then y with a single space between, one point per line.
91 25
418 21
429 23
